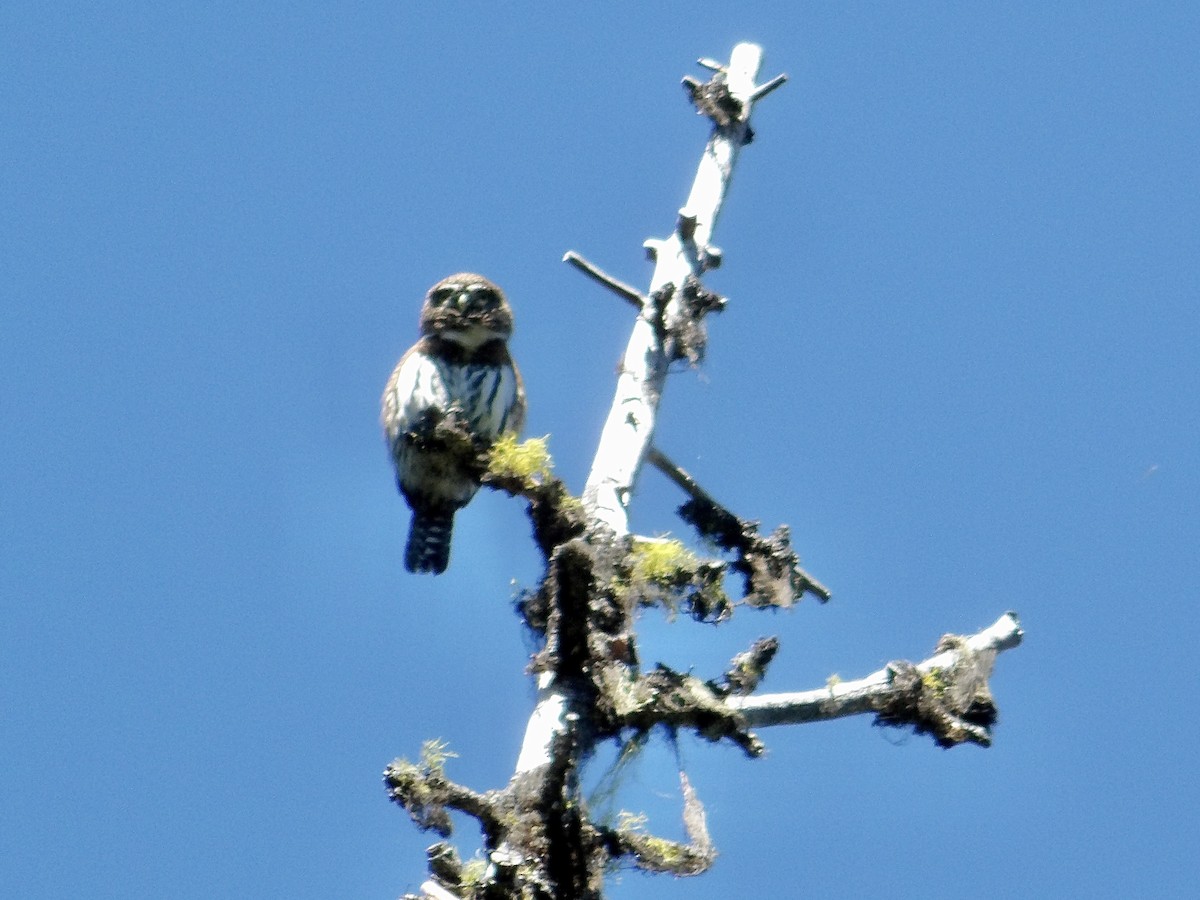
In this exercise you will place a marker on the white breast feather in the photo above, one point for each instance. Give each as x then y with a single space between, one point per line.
485 394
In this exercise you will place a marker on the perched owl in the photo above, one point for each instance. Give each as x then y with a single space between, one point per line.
459 367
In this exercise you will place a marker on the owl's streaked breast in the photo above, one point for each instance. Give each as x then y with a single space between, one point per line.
487 395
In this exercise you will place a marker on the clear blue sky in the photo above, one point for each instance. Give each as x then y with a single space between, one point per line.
959 359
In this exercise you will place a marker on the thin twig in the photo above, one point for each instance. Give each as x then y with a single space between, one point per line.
620 288
763 89
682 479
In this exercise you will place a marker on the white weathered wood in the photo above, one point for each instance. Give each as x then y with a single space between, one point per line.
547 721
631 419
431 890
848 698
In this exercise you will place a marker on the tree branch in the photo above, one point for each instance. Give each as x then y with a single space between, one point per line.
655 854
631 420
955 677
770 567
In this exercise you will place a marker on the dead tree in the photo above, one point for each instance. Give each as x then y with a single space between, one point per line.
539 842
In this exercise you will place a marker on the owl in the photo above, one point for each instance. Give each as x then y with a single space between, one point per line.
459 367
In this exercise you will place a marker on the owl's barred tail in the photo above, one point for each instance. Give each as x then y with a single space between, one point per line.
428 548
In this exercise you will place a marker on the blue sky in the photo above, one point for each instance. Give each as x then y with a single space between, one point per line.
959 360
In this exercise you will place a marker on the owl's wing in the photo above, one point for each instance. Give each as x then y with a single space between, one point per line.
417 384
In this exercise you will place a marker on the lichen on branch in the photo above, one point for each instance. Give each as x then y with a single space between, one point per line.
952 704
423 789
655 854
665 573
526 469
769 566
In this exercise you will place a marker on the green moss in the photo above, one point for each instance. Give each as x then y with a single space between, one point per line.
571 505
528 461
665 573
474 871
665 563
935 680
627 821
434 754
665 854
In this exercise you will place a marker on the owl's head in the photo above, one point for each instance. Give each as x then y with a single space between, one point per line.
467 309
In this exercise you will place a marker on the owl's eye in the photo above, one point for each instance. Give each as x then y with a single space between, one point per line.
443 294
485 298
